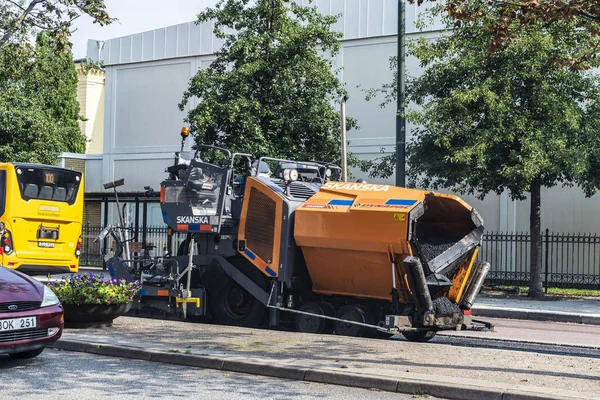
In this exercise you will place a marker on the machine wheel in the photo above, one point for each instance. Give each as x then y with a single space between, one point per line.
329 310
308 323
350 313
27 354
419 336
369 319
233 305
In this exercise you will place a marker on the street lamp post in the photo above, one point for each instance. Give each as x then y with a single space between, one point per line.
344 151
400 120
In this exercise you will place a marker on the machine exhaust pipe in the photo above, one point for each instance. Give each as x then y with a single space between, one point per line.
480 272
418 284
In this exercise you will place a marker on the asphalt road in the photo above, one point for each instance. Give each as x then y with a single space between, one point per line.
559 333
557 338
64 375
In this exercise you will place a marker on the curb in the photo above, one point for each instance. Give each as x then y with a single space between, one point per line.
589 319
398 385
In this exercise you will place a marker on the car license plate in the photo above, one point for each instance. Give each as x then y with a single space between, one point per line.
46 244
16 324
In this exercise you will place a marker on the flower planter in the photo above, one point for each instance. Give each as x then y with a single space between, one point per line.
93 315
91 301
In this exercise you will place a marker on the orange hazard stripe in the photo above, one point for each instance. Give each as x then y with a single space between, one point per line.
162 293
182 227
206 227
260 263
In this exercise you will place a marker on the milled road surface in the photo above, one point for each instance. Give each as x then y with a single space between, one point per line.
554 338
61 375
556 333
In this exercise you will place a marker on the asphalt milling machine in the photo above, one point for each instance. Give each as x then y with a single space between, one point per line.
286 244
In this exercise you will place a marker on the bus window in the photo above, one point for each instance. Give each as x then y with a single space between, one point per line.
48 184
2 192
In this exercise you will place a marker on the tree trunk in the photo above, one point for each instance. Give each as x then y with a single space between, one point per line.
535 228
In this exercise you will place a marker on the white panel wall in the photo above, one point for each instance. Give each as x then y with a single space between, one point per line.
141 170
145 102
377 125
366 66
564 210
360 19
93 174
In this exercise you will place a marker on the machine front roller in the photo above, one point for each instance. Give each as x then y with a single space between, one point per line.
234 305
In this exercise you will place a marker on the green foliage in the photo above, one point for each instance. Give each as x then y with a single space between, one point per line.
557 292
496 121
511 116
39 111
505 20
271 90
19 19
92 289
87 65
490 121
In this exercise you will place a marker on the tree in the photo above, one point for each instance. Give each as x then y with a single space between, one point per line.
503 18
19 18
271 91
39 111
504 120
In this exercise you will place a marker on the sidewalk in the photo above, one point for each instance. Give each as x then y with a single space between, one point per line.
441 370
586 311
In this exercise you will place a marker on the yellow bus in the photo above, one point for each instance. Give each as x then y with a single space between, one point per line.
41 212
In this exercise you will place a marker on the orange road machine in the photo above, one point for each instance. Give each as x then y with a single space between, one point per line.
285 243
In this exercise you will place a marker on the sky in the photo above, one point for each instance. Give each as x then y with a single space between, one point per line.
135 16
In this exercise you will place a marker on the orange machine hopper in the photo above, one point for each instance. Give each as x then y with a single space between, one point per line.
351 234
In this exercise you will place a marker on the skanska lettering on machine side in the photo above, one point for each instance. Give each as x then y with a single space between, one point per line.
368 187
192 219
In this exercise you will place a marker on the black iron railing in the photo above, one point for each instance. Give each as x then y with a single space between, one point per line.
93 252
568 260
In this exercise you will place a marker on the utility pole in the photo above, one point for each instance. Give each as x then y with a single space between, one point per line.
344 151
400 121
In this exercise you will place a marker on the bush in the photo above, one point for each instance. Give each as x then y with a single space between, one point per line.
92 289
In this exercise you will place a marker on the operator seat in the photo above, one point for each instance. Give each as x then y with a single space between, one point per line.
196 191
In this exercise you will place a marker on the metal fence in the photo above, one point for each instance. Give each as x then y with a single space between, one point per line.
568 260
93 252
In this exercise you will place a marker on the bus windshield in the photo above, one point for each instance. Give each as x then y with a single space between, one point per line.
37 183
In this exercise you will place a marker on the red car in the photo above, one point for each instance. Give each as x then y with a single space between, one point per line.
31 316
